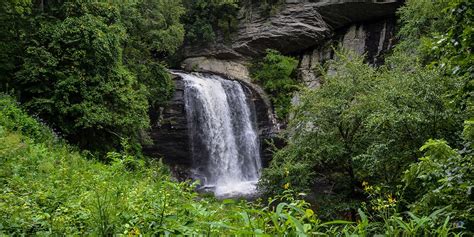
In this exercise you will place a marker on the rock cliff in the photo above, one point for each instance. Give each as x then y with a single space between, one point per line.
372 39
298 28
299 25
169 133
306 29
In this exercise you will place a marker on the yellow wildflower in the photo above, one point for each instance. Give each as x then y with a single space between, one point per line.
391 199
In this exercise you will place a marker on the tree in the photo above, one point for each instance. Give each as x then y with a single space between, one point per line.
363 124
13 25
90 69
154 33
73 77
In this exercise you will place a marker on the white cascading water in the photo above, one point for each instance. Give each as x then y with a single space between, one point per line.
222 126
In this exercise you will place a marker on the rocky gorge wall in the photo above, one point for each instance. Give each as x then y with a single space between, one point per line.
299 28
305 29
373 39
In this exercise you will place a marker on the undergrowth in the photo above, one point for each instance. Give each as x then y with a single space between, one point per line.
49 188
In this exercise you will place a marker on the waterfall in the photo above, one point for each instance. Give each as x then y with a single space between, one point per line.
223 134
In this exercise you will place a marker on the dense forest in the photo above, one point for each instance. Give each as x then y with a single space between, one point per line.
78 80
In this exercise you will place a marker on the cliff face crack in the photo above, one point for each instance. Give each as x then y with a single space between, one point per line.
223 134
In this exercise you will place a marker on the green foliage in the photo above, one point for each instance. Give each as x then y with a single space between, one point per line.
453 48
154 33
206 18
13 21
16 6
440 32
276 73
154 25
14 119
443 179
90 69
73 78
48 189
443 37
419 18
363 124
61 192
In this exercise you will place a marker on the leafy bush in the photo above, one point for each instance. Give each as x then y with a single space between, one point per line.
363 124
419 18
443 179
14 119
277 74
440 33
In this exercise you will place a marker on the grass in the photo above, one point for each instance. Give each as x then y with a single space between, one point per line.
48 188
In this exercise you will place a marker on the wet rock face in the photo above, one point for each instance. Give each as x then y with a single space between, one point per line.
298 26
170 135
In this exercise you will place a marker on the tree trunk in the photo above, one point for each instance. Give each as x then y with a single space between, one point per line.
353 189
41 5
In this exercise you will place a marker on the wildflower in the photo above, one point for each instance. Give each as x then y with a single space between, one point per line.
134 232
391 199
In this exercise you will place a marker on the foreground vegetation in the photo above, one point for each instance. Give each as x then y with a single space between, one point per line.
49 188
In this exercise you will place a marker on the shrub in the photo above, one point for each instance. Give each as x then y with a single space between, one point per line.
443 179
277 74
15 119
363 124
